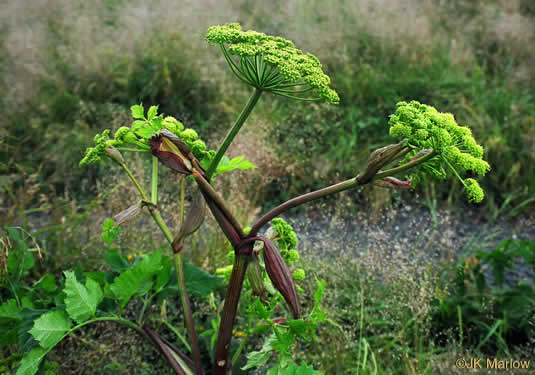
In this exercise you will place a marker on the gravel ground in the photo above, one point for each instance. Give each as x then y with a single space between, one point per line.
409 235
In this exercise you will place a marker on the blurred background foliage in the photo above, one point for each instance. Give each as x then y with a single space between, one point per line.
71 69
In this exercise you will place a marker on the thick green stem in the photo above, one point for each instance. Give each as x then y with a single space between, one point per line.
229 313
190 324
240 349
179 266
154 190
246 111
181 278
404 167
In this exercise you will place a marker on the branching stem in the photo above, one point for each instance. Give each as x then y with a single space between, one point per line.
232 133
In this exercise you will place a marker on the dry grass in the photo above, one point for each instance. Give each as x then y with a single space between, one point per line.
91 38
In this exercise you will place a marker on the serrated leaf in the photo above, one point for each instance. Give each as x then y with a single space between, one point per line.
110 231
260 358
116 261
145 132
137 111
31 361
81 301
319 292
200 282
128 282
153 110
156 123
227 165
9 310
25 339
138 124
49 328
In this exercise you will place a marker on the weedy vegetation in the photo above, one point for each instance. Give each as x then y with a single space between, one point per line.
430 142
118 263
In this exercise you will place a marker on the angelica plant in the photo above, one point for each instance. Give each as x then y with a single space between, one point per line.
427 142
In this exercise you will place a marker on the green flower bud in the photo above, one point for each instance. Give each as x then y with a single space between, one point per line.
292 256
173 125
198 147
473 190
299 274
189 135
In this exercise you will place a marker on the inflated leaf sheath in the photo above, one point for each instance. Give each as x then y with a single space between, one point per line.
174 153
280 275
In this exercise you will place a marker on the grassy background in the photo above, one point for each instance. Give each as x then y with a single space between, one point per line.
70 69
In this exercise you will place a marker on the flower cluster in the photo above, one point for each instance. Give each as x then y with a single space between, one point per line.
428 130
139 133
94 154
272 63
286 240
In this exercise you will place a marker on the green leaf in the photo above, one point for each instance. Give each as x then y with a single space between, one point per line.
319 292
28 261
157 123
81 301
25 339
49 328
130 281
164 275
226 165
137 111
200 282
47 283
138 124
260 358
9 310
292 369
110 231
146 132
116 261
153 110
31 361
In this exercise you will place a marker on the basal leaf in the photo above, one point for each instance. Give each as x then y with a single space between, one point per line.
130 281
25 340
117 261
164 275
137 111
81 301
31 361
49 328
200 282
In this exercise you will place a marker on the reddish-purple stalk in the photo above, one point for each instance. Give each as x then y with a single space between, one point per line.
221 363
